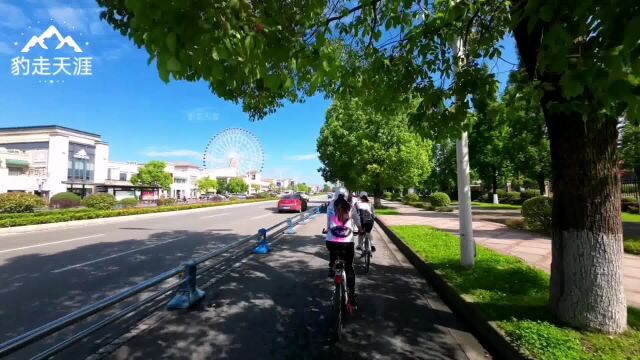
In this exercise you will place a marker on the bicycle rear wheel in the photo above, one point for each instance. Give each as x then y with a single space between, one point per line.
367 253
337 312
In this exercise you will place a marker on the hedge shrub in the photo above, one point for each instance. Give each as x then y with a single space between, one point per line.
511 197
387 195
65 200
410 198
99 201
396 197
129 202
166 202
444 209
628 201
439 199
19 202
537 213
529 194
85 214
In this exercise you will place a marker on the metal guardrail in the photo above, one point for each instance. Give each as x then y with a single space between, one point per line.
187 294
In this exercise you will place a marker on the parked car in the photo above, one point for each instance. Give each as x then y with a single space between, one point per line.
292 202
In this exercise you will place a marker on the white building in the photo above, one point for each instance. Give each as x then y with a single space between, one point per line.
47 160
50 159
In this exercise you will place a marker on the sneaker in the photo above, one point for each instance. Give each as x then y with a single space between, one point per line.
359 248
373 248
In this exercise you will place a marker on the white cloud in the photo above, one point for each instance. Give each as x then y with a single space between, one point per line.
173 153
83 20
304 157
12 17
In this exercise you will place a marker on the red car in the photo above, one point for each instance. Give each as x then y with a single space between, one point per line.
293 202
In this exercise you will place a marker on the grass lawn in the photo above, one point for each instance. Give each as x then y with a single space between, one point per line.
632 246
514 296
488 206
387 211
627 217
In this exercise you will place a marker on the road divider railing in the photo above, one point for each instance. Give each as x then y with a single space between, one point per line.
184 286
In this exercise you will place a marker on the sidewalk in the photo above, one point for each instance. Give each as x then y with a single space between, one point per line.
275 306
533 248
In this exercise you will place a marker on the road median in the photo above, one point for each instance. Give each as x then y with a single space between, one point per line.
65 219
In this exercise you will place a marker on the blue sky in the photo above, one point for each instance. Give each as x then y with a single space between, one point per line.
125 101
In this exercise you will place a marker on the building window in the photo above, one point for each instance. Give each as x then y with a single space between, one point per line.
16 171
180 180
109 173
123 176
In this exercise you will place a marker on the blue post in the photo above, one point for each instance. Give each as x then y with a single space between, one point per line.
303 219
187 293
290 229
263 247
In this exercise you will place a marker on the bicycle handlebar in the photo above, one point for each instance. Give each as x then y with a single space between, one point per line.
324 231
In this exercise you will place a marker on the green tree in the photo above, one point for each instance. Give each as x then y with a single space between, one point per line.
207 185
153 174
444 175
255 187
630 149
369 151
581 57
237 186
302 187
528 146
326 188
488 140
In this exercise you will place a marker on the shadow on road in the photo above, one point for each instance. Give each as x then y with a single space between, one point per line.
276 307
38 288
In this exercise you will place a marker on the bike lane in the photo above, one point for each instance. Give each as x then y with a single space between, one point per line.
277 306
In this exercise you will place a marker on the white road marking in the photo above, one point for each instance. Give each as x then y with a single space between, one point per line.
260 217
210 216
116 255
51 243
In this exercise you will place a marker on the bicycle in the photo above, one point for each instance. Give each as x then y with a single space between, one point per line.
340 298
366 251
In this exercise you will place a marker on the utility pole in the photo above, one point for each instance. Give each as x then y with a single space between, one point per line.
467 242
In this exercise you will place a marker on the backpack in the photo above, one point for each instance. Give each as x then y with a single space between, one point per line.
365 216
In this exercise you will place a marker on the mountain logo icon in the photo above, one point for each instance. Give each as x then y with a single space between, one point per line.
47 34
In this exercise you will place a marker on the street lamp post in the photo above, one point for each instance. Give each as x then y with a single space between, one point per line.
467 243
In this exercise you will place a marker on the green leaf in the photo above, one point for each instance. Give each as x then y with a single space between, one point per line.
272 82
546 12
173 64
171 42
288 83
248 43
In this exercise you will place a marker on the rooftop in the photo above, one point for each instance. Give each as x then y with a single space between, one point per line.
48 127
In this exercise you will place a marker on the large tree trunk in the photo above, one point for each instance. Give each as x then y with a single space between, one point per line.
377 196
541 183
586 271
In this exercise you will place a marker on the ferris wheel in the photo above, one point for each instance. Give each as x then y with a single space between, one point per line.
234 148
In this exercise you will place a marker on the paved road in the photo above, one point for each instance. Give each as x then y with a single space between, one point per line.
44 275
276 306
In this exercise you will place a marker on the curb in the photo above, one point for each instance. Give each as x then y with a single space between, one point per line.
114 219
488 335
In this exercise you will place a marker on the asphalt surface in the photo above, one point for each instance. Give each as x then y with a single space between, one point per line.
47 274
277 306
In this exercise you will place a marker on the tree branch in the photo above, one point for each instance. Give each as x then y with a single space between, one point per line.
349 12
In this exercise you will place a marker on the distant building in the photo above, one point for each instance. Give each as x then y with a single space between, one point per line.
46 160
